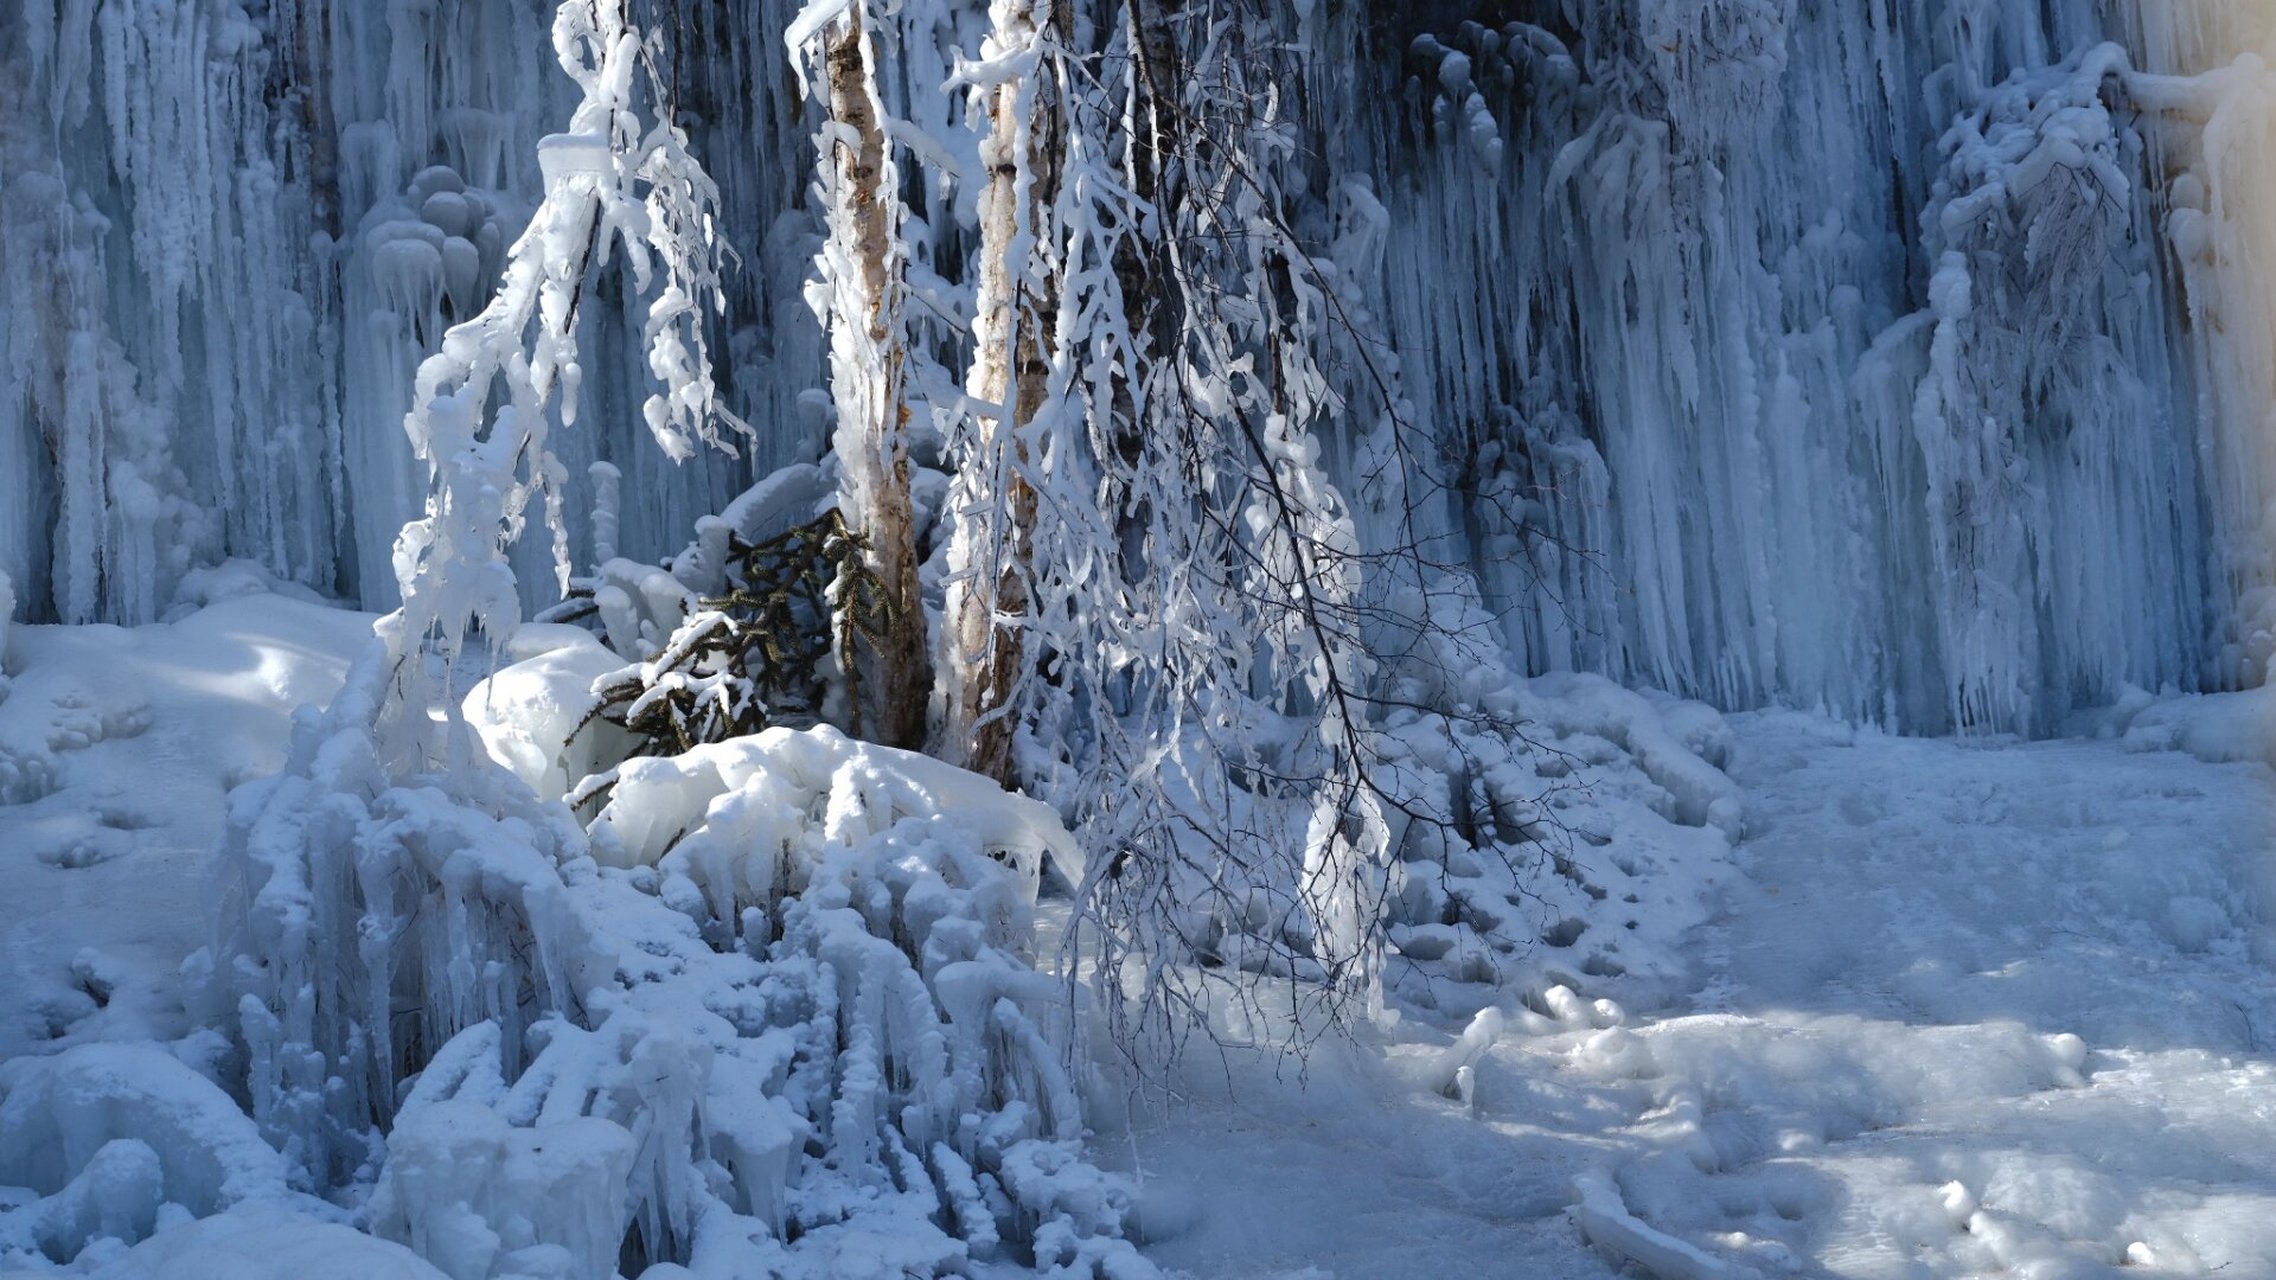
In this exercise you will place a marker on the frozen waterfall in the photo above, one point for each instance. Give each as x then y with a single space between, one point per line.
1903 360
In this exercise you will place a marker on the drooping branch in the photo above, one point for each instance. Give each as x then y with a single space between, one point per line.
483 404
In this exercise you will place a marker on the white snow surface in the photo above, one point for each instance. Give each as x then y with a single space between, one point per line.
1945 1008
1969 1009
116 749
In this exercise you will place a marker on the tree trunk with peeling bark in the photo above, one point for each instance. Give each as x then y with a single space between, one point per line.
993 553
893 677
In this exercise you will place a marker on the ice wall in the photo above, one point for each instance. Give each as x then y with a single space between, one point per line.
231 233
1831 354
1899 359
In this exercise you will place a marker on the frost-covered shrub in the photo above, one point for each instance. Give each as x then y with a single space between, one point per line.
776 643
776 1016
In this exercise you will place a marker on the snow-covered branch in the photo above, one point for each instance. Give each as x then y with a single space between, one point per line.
483 404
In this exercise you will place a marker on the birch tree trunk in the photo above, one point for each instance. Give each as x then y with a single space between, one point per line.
992 556
867 356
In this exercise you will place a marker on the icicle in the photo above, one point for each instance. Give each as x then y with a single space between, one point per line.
608 506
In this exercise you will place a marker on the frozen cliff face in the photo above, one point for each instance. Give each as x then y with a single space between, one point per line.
1835 356
1726 393
1891 358
233 231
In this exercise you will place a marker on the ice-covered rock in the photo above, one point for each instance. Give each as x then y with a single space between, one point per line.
108 1135
266 1243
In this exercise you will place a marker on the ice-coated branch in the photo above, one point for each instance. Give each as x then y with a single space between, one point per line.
483 404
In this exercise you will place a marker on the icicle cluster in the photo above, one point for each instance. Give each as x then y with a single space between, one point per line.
1687 390
95 521
2050 451
244 229
1713 408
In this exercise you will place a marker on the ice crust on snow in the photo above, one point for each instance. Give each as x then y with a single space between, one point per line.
755 797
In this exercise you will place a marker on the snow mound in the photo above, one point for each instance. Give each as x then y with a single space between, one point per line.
265 1243
733 814
108 1136
534 716
2218 728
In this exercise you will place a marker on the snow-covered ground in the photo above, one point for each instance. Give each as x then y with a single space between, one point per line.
1963 1008
117 748
1994 1008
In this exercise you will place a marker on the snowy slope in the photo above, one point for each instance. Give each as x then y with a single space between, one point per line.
1960 1008
116 750
1972 1010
